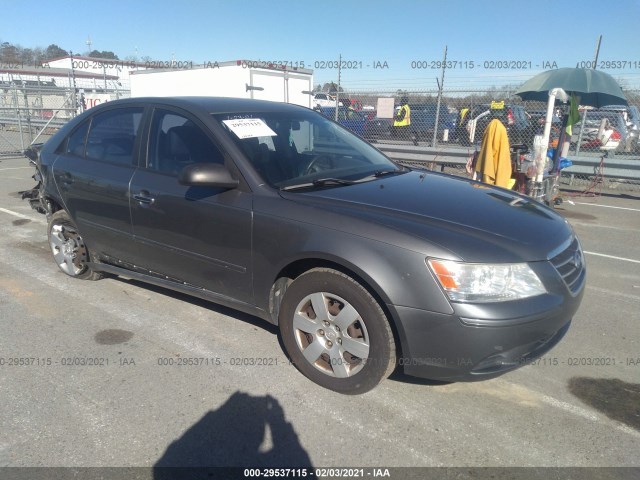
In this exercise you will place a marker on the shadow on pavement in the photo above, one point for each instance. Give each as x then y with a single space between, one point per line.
618 400
246 431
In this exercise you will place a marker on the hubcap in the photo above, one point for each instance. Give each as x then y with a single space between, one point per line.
331 334
68 249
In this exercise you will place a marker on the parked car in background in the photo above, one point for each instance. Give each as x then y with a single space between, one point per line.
274 210
631 116
423 122
595 124
378 129
324 100
348 118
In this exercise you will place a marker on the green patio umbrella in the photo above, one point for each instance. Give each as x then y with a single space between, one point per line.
595 88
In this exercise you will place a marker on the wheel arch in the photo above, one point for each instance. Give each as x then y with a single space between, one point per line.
52 205
295 268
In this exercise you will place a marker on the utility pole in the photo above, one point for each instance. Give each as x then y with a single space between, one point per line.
595 60
440 87
584 116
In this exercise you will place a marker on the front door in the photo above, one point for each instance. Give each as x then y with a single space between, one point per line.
197 235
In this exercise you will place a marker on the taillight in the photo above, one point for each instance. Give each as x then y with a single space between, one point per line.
615 135
510 119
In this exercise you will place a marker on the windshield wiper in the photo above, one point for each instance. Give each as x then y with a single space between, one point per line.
321 182
331 181
382 173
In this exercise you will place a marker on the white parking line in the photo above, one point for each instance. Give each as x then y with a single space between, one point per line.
15 214
606 291
613 257
19 215
14 168
608 206
593 225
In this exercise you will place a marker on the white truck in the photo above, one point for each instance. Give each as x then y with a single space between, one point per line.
238 79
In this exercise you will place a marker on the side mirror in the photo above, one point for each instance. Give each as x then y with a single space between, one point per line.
207 175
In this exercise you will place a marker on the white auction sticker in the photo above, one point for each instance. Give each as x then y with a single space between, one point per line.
249 128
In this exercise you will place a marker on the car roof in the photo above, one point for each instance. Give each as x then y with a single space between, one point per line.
615 107
212 104
600 113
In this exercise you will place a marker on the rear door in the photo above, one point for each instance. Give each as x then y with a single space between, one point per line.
197 235
298 88
268 86
92 173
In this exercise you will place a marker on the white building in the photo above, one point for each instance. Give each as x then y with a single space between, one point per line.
100 67
46 77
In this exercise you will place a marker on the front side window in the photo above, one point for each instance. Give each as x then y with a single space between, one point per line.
292 148
113 134
176 142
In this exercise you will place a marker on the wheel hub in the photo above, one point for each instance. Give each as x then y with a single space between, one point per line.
331 335
68 249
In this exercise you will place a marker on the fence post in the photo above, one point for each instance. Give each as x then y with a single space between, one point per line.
338 89
17 104
73 85
26 105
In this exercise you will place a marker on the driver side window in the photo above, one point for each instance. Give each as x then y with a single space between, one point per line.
176 141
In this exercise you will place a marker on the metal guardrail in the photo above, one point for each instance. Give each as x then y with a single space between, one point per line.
610 167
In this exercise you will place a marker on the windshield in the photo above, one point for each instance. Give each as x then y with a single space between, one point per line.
302 148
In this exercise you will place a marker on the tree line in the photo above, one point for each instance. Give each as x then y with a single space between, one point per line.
11 54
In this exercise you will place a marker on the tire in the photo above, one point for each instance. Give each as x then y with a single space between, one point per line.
68 248
349 348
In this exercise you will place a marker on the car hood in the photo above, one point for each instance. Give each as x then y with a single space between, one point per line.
436 213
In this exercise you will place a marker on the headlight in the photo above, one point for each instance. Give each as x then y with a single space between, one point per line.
485 282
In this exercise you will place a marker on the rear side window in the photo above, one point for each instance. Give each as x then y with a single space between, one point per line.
76 141
112 135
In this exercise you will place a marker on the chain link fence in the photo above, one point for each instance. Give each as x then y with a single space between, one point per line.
31 112
451 120
455 120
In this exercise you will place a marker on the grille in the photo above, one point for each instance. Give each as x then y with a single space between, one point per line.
570 265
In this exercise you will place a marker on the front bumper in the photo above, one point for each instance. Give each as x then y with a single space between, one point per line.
481 341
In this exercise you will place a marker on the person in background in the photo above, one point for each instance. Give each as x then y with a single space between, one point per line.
350 112
402 120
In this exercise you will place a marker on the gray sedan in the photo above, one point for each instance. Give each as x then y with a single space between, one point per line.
277 211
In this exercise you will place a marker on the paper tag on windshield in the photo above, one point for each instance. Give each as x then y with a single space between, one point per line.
249 128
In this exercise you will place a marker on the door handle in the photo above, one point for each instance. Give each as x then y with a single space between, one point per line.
144 197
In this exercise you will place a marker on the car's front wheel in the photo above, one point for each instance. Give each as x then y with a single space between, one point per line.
335 332
68 248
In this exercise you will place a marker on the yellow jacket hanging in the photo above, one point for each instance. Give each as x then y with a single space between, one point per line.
494 160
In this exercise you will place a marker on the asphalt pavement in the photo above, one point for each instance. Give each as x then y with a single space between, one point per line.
117 373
